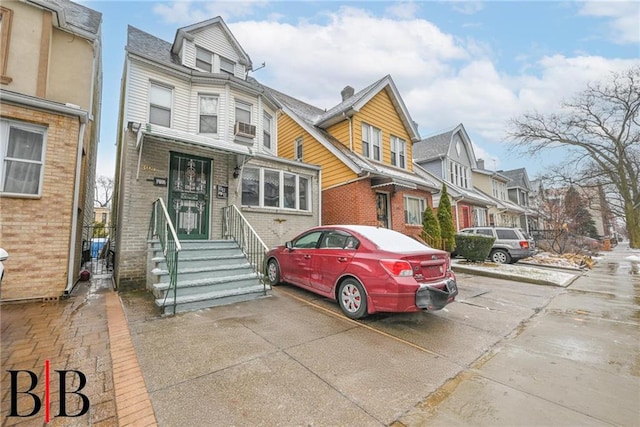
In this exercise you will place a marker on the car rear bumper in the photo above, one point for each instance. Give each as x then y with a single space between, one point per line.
521 253
435 296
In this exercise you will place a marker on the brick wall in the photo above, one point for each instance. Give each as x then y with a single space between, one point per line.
37 232
355 203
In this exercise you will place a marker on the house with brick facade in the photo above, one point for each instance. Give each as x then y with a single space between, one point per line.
450 157
364 146
200 134
493 185
50 90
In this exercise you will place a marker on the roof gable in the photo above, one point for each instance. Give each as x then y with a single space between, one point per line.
517 178
439 145
189 33
358 100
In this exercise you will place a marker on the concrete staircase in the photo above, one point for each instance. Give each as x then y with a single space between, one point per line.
210 273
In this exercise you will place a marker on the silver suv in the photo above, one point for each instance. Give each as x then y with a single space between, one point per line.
511 244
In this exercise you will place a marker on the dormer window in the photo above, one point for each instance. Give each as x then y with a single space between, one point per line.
204 60
227 66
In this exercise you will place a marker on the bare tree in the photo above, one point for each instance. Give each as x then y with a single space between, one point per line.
600 127
104 191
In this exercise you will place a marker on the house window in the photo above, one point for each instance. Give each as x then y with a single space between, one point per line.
266 130
6 16
413 210
299 149
480 217
160 105
208 114
268 188
227 66
371 138
204 60
22 150
398 152
243 112
104 218
458 175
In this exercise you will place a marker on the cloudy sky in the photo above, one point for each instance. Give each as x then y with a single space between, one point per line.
475 63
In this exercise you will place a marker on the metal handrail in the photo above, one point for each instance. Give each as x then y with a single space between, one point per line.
236 227
162 228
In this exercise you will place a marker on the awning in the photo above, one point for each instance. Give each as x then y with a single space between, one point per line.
383 182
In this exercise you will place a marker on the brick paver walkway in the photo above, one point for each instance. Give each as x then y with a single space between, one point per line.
86 332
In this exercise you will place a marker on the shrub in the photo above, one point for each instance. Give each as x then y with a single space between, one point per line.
445 219
474 247
430 226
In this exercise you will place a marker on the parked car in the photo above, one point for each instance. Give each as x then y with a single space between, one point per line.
366 269
511 244
3 257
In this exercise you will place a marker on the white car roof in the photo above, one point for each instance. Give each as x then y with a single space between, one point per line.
385 239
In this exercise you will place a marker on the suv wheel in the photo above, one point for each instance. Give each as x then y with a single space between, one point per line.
500 256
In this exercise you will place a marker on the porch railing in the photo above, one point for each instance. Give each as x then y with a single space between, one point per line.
236 227
162 228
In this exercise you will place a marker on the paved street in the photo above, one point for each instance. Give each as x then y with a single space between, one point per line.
506 353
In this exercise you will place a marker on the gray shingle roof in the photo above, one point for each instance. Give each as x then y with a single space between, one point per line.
307 112
432 147
517 177
349 102
150 46
79 16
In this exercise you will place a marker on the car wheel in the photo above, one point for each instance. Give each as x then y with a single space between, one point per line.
500 256
273 272
352 299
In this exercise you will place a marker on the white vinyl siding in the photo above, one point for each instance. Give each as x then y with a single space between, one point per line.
22 155
214 40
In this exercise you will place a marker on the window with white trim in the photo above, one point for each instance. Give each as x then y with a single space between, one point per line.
371 141
413 210
458 175
204 59
270 188
266 130
480 217
299 149
208 114
160 100
243 112
22 149
499 189
398 152
227 66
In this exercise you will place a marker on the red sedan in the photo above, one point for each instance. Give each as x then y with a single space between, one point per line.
366 269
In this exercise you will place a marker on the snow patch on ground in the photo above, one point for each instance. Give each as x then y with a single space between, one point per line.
633 258
543 276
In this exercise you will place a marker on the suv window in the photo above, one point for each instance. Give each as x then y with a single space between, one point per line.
485 232
507 235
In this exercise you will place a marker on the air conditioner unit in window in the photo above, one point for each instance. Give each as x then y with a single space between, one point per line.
244 129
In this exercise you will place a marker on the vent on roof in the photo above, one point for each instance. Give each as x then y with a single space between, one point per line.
347 92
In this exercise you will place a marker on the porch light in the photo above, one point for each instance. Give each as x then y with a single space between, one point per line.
236 171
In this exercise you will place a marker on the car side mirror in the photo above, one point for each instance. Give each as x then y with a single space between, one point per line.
3 255
288 245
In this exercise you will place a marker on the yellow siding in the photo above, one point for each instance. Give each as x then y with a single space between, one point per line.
340 131
334 171
380 113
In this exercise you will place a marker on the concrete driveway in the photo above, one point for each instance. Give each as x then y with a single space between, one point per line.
294 359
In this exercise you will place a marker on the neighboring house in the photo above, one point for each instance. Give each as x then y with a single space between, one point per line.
518 189
50 90
450 157
102 215
493 185
364 146
196 132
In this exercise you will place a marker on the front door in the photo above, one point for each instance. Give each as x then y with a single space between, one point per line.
382 209
189 183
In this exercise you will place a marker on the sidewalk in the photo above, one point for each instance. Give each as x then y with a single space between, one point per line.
86 332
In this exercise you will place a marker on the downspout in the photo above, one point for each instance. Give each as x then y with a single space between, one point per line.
74 213
350 119
320 197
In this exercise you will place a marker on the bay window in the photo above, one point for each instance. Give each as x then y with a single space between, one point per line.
269 188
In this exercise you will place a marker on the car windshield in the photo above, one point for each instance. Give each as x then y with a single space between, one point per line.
389 240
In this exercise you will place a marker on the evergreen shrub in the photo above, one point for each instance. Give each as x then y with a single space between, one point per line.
474 247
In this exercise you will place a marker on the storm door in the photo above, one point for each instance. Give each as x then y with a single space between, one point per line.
189 183
382 209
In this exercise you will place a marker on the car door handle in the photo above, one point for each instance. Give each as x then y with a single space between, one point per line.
342 259
307 257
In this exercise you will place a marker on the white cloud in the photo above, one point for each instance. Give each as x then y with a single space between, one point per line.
188 12
467 7
624 26
403 10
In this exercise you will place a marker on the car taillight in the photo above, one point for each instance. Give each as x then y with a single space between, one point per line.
524 245
395 267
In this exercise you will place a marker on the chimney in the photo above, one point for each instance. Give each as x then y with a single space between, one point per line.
347 93
480 163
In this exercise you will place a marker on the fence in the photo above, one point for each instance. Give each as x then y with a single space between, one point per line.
98 249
